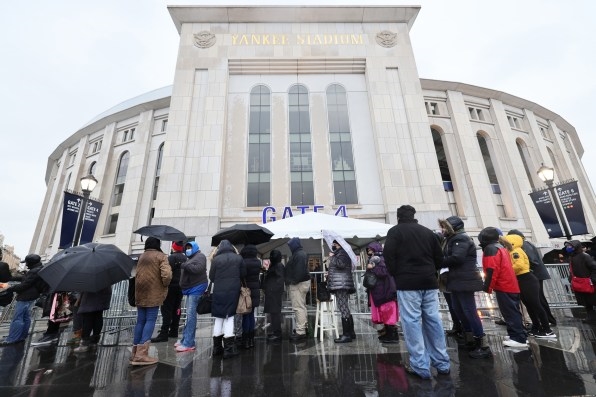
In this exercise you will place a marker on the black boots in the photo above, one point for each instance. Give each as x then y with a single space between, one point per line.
218 348
481 350
390 336
347 325
229 347
248 340
161 337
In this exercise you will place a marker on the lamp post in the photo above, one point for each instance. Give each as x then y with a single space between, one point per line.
547 175
88 183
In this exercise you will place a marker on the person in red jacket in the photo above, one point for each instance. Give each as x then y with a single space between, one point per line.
500 278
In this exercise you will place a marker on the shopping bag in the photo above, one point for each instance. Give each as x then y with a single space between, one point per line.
244 302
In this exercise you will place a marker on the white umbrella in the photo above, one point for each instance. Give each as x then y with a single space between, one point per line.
330 235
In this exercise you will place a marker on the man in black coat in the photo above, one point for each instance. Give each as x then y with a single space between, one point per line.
27 292
297 278
413 255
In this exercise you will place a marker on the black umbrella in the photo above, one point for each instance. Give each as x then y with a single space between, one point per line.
162 232
87 268
242 233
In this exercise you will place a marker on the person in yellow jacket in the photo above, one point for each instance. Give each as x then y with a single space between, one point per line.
529 287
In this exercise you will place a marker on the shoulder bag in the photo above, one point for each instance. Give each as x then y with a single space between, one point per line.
581 284
369 279
244 302
204 305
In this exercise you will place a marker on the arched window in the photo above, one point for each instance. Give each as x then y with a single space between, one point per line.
553 161
92 168
523 153
258 191
492 175
301 175
340 137
117 192
444 168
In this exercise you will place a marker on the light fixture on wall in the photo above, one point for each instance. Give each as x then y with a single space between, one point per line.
88 183
547 175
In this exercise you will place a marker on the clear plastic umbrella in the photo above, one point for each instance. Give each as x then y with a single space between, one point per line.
330 235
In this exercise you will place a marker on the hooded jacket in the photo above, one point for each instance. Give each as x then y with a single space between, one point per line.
32 285
296 270
459 256
519 259
536 264
194 270
273 284
253 270
496 262
227 269
384 289
582 264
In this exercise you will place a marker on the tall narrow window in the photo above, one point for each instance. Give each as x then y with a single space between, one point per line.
157 171
492 175
523 153
258 192
118 192
444 168
340 136
301 175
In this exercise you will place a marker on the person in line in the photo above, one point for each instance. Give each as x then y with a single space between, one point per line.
297 278
340 282
253 272
500 278
227 269
463 280
538 269
273 286
28 290
583 265
413 256
151 287
193 282
91 307
529 288
170 310
382 297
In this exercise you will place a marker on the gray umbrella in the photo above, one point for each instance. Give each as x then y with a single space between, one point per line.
87 268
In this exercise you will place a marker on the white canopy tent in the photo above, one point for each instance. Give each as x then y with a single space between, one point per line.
308 227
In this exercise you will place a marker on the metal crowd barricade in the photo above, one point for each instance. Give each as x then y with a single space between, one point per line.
121 317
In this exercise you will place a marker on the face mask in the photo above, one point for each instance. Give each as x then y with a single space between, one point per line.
188 252
569 249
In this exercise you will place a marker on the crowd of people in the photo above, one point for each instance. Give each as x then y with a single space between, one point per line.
405 277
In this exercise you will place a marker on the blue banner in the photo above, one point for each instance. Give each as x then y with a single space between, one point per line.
546 211
572 207
70 215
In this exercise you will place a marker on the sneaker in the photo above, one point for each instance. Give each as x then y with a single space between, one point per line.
182 348
514 343
45 340
545 334
177 344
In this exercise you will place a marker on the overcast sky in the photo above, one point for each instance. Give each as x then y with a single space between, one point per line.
64 62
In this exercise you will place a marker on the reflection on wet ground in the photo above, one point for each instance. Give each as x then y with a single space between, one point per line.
562 367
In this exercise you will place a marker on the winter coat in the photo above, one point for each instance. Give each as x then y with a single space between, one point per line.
413 255
253 273
273 284
32 285
583 265
384 290
339 277
536 264
152 279
296 270
95 301
227 268
496 258
194 271
460 258
176 260
519 259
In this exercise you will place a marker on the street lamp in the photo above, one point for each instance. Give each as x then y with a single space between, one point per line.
547 175
88 183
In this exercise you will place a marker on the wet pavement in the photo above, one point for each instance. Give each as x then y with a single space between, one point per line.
562 367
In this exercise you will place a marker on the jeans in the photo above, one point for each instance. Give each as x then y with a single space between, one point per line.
509 307
190 327
146 317
464 305
248 321
298 298
423 331
21 321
